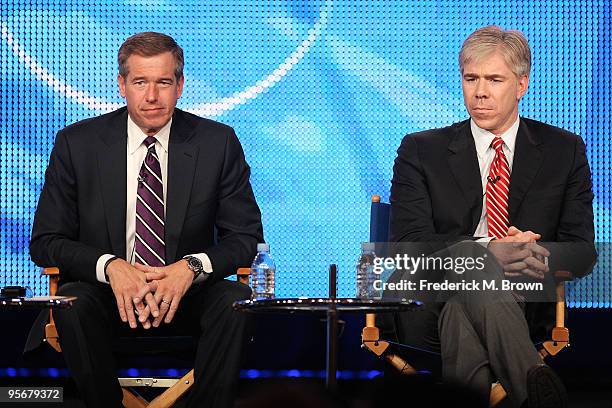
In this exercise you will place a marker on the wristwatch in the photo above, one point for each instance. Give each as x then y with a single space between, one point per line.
195 265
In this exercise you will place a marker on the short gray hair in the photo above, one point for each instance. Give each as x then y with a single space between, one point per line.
511 44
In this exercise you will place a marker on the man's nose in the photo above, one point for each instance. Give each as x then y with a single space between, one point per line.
151 93
482 89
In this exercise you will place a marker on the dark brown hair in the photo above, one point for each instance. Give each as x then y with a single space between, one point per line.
149 44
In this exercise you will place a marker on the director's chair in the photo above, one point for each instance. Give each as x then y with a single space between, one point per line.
175 387
370 335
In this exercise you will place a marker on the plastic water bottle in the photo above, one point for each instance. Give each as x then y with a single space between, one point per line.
365 273
262 273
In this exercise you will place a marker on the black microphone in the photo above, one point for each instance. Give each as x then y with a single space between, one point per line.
142 178
493 180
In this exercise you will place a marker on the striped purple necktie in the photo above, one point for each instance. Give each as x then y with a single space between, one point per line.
149 244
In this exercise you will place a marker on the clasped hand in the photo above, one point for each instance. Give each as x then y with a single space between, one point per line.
151 293
519 254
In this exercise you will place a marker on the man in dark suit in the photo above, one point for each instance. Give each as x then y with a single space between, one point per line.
511 184
146 210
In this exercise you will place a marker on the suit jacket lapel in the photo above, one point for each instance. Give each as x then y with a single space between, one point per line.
526 164
182 158
463 162
112 165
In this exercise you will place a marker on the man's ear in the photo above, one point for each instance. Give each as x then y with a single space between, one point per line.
179 87
121 83
523 84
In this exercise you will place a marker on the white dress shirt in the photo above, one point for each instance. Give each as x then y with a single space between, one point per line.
136 153
486 153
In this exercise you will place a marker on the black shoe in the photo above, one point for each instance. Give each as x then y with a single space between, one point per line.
544 388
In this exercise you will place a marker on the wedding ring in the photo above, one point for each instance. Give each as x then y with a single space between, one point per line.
166 302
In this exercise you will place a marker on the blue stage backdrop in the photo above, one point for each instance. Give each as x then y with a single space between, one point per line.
320 93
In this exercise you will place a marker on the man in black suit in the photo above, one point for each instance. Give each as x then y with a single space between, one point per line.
146 210
511 184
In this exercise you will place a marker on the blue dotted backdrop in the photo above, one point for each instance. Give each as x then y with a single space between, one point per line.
320 93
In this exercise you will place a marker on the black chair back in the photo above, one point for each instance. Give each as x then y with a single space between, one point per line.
379 221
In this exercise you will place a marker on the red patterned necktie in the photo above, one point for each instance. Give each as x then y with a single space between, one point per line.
497 192
149 241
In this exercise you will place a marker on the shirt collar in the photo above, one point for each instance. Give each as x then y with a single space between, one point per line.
483 138
136 136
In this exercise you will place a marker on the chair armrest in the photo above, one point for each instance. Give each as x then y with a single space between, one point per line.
54 275
51 271
563 276
243 275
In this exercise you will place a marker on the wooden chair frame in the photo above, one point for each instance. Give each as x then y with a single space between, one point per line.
131 399
559 338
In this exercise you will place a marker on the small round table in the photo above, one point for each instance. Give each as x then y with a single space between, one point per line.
331 307
37 302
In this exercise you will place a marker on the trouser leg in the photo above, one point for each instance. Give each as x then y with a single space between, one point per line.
85 333
416 328
222 332
464 359
495 342
484 336
502 330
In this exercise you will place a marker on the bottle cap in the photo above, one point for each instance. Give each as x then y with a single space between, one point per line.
263 247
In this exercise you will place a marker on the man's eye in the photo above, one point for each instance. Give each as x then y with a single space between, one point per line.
139 83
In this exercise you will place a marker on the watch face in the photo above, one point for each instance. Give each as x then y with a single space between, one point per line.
194 264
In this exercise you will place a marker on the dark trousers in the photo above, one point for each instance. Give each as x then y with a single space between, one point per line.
482 336
88 330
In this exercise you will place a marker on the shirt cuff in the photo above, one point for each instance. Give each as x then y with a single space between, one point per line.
100 267
206 265
484 241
